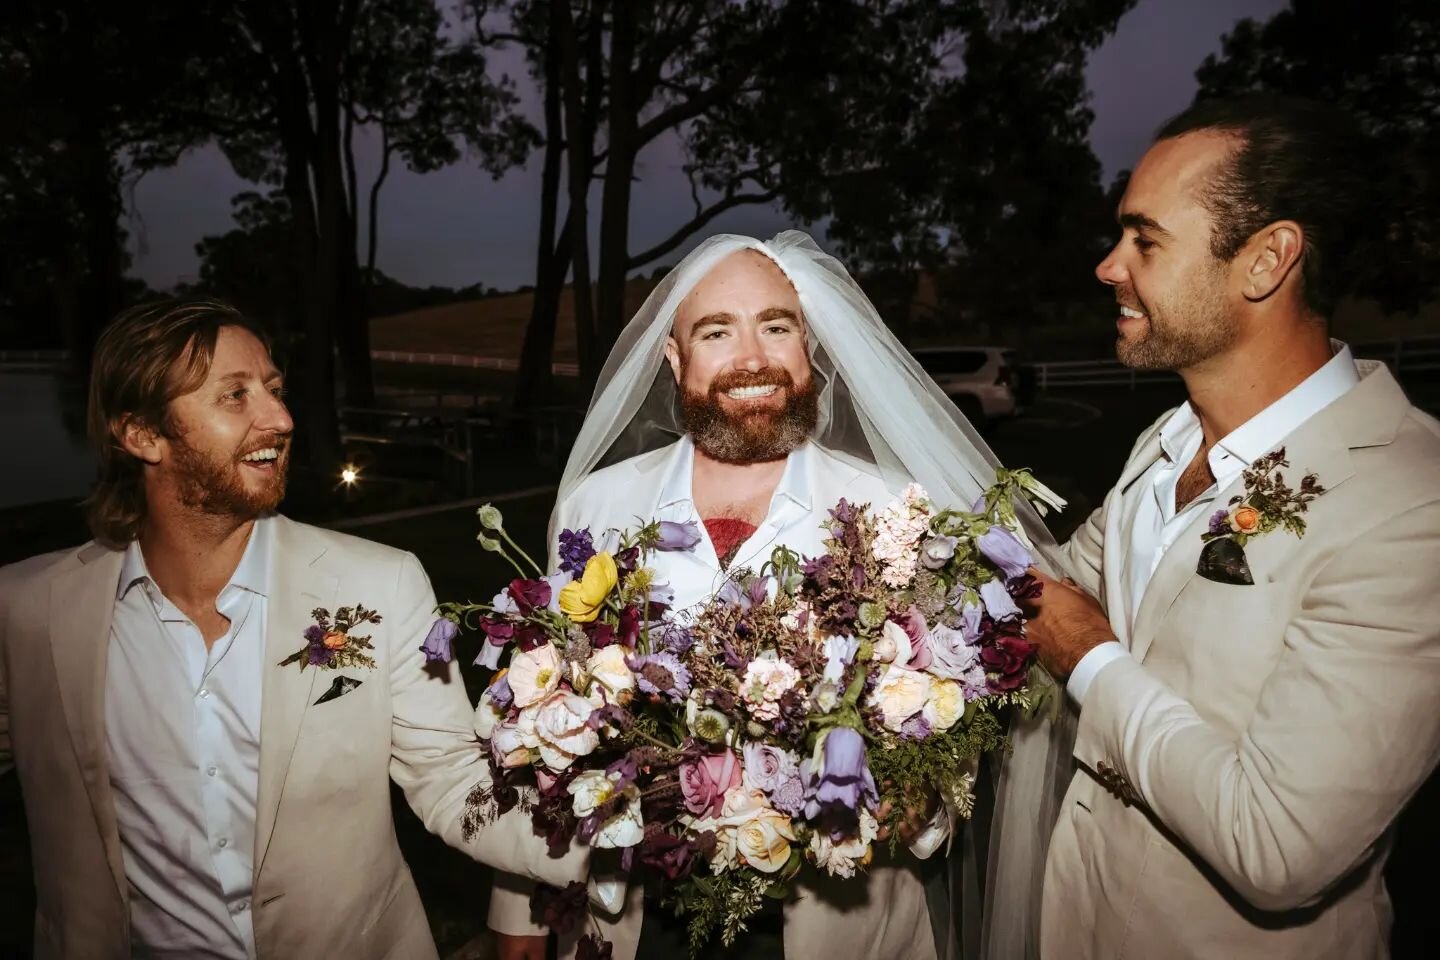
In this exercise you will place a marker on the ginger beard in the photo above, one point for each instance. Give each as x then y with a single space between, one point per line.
750 436
213 483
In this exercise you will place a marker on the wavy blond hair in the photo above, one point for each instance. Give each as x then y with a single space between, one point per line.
149 355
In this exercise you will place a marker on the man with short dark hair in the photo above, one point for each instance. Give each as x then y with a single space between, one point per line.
1259 679
206 704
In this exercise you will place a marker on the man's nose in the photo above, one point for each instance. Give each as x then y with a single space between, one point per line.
275 417
751 356
1110 270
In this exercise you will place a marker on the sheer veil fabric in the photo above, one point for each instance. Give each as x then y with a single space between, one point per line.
878 407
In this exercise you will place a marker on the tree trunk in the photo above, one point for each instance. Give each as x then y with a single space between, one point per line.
579 136
619 174
533 379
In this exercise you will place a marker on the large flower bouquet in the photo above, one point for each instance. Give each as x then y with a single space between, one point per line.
791 721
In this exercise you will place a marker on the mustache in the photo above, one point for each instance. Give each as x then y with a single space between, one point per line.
1131 301
769 377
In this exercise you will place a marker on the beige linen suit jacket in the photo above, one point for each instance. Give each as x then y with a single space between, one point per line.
883 916
329 877
1263 737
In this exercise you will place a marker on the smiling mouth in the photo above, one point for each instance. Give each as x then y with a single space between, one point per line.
752 393
1131 314
264 459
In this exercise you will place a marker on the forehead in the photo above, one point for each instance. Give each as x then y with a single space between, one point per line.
1170 178
238 351
743 284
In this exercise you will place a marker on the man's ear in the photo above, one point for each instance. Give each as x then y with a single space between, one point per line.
137 438
672 354
1270 256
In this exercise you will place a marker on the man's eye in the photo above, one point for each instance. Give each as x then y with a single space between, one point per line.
237 394
779 328
278 393
713 335
1143 245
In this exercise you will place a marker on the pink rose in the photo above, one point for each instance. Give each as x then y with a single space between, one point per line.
704 783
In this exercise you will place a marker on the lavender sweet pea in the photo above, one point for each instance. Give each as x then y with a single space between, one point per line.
998 602
439 642
677 537
937 551
839 654
1003 549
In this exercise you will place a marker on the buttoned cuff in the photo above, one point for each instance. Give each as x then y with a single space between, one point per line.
1090 665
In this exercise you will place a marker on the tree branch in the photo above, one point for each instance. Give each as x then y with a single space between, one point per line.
700 220
691 107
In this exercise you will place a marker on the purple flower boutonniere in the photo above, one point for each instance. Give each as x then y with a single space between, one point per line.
330 643
1267 504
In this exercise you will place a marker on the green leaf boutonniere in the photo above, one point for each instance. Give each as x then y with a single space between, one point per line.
1268 503
330 644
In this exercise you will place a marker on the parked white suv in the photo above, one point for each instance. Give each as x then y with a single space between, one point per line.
984 382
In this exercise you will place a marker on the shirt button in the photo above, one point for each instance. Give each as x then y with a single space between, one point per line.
224 842
210 770
204 694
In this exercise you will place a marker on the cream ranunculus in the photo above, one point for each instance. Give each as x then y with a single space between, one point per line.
561 727
626 828
608 672
590 789
512 741
946 705
900 695
534 674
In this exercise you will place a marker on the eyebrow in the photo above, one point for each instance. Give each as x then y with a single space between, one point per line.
1138 221
723 319
241 376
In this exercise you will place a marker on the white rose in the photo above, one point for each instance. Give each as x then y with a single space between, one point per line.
900 694
561 728
607 668
534 674
946 705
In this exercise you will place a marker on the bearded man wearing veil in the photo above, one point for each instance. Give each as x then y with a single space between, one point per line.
754 389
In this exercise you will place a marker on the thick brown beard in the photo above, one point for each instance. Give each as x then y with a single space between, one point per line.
207 484
756 437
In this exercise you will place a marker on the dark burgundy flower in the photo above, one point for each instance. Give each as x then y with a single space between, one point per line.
592 947
529 594
1005 654
601 634
1025 588
560 910
628 630
671 855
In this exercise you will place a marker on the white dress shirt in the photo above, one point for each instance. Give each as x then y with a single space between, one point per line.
1150 500
182 727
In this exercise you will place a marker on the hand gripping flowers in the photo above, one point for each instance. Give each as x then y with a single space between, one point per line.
783 725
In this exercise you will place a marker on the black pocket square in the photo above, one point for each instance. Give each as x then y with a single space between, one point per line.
1223 560
338 689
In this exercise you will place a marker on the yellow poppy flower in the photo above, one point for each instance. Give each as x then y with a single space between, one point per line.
582 599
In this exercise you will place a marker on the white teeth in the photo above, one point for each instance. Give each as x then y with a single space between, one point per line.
269 453
1127 312
747 393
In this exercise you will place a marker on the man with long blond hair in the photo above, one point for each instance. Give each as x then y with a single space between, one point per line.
206 703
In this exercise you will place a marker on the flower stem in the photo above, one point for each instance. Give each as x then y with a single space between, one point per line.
535 566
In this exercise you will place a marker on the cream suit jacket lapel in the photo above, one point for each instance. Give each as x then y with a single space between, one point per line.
300 581
82 605
1321 445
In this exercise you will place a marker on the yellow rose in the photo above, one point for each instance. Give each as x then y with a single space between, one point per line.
764 842
1245 519
582 599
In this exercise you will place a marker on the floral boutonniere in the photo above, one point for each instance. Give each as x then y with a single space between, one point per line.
1267 504
330 643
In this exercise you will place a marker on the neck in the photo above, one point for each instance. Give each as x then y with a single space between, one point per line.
718 486
1227 391
191 556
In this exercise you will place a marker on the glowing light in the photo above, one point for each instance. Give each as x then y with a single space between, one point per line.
349 475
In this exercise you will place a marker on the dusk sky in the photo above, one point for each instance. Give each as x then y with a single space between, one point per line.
458 226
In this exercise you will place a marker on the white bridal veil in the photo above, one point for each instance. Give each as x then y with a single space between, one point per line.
877 406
